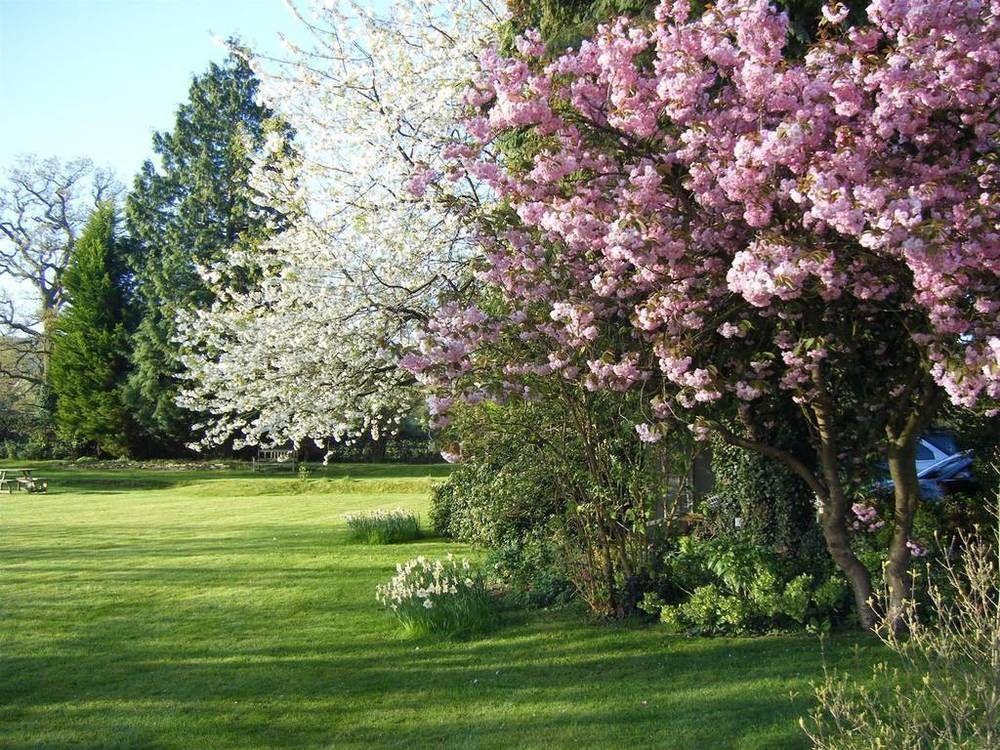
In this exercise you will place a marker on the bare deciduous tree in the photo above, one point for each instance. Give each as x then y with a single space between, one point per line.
43 205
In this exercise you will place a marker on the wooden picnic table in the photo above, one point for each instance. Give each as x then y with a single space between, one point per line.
20 479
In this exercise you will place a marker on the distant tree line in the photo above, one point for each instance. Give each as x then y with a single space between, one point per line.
90 364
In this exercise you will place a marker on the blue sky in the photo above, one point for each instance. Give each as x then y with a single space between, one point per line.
96 77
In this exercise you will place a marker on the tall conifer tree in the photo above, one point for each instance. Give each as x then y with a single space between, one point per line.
187 211
89 359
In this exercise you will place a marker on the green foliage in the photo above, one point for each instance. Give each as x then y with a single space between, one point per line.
382 526
532 574
188 211
25 429
507 485
22 409
729 586
571 470
89 360
38 445
775 508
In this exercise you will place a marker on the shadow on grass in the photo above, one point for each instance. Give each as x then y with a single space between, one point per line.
269 636
528 683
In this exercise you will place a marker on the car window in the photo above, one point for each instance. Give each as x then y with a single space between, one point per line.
924 453
942 441
937 469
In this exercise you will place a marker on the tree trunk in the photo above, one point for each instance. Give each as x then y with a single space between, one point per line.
906 491
45 339
902 457
833 521
833 511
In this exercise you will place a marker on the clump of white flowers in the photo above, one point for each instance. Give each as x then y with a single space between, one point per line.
438 596
383 526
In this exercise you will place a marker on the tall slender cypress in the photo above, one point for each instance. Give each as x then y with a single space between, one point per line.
89 360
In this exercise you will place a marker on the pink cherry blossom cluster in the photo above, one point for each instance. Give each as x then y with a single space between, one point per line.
916 549
697 203
865 518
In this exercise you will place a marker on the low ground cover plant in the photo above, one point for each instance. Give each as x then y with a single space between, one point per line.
730 586
383 526
439 597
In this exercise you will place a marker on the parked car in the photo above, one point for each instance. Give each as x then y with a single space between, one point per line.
933 448
951 474
945 474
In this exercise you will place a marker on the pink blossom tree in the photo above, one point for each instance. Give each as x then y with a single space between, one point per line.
691 211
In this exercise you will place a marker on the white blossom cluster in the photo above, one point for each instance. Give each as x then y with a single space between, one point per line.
309 348
423 582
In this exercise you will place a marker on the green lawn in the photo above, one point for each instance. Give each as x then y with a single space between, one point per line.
216 610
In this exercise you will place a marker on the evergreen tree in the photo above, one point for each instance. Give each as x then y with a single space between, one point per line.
188 212
89 360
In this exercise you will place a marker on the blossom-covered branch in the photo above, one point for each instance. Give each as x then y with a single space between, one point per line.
309 327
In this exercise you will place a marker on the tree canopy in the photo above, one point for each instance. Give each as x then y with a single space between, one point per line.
189 210
704 214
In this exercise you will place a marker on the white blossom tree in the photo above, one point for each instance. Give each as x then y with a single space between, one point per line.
306 334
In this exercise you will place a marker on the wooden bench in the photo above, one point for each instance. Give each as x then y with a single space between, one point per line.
21 480
276 457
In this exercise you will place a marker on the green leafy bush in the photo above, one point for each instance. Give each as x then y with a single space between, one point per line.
532 573
439 597
40 447
728 586
384 526
506 487
773 507
563 492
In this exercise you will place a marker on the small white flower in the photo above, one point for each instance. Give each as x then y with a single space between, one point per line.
428 603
